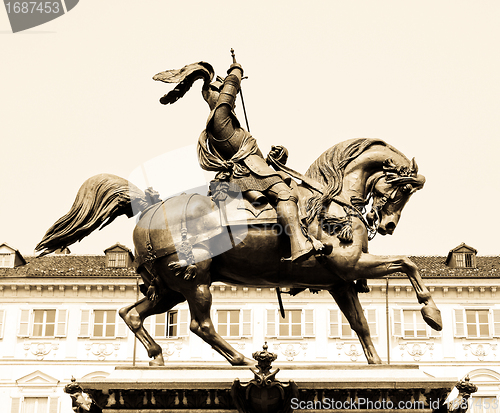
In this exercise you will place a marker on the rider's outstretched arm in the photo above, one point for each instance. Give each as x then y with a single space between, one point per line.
223 125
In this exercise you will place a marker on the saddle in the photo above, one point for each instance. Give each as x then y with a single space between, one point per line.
229 204
240 211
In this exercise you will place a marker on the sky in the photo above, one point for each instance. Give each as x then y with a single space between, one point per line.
77 99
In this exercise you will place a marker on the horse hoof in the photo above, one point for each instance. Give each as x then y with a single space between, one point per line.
248 362
242 361
157 361
432 316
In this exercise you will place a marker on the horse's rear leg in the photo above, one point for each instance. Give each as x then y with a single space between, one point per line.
201 324
196 289
135 314
348 302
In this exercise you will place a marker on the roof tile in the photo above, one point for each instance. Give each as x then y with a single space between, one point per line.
66 265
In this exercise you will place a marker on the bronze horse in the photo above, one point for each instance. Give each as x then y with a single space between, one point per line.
178 253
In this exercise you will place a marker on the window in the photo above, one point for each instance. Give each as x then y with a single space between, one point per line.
291 325
234 323
297 323
468 260
228 323
35 405
117 259
477 323
168 324
101 324
6 260
464 260
339 325
409 324
104 323
43 323
414 325
172 324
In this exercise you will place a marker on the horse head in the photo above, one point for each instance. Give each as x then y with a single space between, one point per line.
391 190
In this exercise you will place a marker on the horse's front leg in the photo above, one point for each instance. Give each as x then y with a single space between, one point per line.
348 302
374 266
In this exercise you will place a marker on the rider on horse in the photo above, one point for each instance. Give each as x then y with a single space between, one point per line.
226 147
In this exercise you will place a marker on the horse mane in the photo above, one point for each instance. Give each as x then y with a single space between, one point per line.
329 169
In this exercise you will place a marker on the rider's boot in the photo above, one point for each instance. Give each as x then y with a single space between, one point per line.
288 216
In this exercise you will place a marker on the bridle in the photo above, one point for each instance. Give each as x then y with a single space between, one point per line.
400 178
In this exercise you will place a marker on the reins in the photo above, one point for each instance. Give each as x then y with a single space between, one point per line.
316 186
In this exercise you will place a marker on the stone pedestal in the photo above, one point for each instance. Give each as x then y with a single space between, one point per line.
325 388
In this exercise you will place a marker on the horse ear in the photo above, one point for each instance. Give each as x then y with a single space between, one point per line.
414 166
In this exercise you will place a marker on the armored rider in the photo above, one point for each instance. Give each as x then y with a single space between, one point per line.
224 146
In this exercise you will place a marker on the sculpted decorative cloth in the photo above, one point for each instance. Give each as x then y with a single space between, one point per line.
242 166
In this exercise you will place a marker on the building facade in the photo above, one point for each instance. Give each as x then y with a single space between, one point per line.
59 319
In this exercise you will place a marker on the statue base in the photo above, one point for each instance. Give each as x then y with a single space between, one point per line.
207 388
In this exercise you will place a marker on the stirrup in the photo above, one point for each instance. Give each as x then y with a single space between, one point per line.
303 255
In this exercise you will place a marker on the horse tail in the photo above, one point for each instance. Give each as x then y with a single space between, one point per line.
99 201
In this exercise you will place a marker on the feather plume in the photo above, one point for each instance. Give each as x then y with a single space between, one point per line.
185 78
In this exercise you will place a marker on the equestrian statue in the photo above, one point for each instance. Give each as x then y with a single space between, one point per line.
185 243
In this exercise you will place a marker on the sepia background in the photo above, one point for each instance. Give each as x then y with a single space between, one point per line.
77 99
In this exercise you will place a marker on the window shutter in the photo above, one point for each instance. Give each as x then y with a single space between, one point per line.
459 322
157 325
15 405
246 324
397 322
84 324
121 327
183 322
53 404
308 322
270 323
2 322
214 315
496 322
24 323
333 323
62 322
371 318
